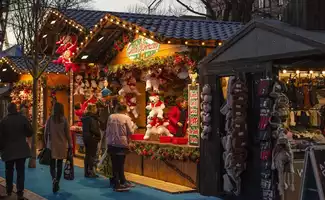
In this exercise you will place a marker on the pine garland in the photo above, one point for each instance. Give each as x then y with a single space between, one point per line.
181 59
162 152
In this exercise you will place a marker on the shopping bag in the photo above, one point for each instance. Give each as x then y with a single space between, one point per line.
105 165
44 157
68 167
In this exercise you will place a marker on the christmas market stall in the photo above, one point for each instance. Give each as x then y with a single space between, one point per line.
267 86
53 87
149 63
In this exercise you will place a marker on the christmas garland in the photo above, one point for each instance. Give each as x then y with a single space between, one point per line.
181 59
59 88
21 85
119 44
161 152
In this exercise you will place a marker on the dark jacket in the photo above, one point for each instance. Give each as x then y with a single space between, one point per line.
14 129
90 127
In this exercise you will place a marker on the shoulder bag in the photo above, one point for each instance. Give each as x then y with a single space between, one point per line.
45 154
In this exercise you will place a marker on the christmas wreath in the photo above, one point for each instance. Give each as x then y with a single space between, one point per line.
161 152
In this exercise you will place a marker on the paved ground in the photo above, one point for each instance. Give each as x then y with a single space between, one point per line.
3 191
38 181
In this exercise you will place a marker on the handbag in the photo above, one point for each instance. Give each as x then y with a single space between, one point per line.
68 167
45 153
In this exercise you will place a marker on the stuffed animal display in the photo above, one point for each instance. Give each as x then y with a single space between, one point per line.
152 80
129 91
156 107
79 85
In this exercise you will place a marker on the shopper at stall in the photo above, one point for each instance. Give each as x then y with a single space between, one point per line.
57 138
14 129
178 118
91 136
119 129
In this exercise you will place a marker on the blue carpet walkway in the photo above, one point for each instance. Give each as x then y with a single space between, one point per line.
39 181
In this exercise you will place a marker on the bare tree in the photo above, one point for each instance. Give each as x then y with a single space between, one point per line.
149 7
26 20
234 10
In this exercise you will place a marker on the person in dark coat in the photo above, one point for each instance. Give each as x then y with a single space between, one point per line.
14 129
91 137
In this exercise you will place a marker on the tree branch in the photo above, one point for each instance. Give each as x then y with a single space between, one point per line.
189 8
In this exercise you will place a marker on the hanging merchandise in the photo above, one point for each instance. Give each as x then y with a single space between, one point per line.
152 80
67 48
264 138
79 85
282 156
235 140
130 92
206 111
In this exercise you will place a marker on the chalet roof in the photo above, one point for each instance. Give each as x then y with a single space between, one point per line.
18 63
166 26
266 40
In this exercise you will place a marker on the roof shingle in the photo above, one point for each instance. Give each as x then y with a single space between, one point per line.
167 26
21 66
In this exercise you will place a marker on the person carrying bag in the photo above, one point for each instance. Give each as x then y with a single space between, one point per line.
68 167
44 156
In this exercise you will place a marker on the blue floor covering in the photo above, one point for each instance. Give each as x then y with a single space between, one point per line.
39 181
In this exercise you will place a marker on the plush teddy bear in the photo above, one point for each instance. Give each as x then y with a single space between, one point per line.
162 128
129 86
151 127
79 85
131 102
152 80
156 107
93 84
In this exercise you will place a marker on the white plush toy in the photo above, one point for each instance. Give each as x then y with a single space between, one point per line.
152 80
149 132
163 130
79 85
156 107
129 86
152 124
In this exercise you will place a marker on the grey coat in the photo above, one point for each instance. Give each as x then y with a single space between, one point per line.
57 138
14 129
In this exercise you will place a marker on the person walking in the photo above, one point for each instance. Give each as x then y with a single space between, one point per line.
91 136
58 139
14 129
119 128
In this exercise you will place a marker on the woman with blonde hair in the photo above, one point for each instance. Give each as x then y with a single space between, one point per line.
91 137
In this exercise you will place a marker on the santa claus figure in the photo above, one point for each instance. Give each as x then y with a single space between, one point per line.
178 118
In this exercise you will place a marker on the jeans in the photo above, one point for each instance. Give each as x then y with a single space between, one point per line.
19 164
56 169
91 146
118 161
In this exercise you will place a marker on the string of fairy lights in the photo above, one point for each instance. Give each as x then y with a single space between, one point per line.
108 18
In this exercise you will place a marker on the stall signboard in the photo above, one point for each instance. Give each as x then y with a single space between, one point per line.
313 179
194 114
142 48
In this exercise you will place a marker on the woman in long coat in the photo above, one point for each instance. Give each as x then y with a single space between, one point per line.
58 139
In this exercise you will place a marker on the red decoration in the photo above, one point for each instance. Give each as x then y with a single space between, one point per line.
67 48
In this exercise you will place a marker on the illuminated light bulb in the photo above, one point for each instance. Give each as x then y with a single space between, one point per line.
137 31
117 22
124 25
203 43
130 28
91 32
284 71
80 30
96 26
323 72
144 33
219 43
112 20
186 42
106 17
169 42
81 43
152 36
297 72
310 72
101 20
